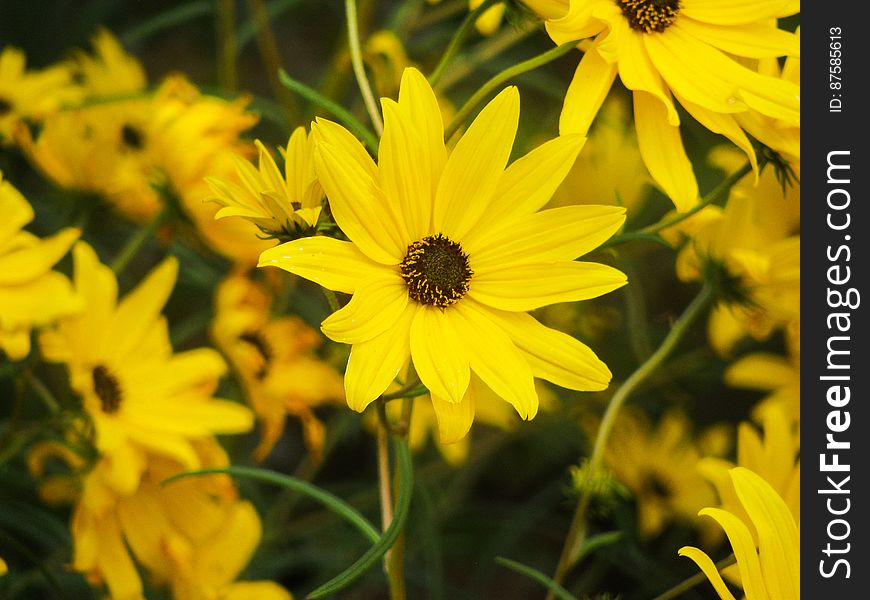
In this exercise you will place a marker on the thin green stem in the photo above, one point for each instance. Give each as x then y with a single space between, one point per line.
139 239
459 37
330 501
332 299
481 54
43 392
577 531
715 194
226 44
270 55
557 590
359 69
494 82
341 113
694 580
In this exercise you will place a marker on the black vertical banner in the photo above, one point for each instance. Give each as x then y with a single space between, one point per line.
835 348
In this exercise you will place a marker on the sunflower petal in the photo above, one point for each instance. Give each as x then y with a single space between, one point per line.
476 165
638 74
738 534
374 307
373 365
530 286
24 264
709 569
662 150
722 124
438 354
334 264
733 12
454 418
753 40
591 82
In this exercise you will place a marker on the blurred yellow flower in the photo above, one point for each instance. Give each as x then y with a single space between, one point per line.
30 94
489 21
448 253
658 465
31 294
770 568
280 206
138 394
670 49
275 362
610 168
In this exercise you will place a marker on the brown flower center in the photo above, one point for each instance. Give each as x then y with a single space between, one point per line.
132 137
649 15
655 484
108 389
436 271
5 106
261 345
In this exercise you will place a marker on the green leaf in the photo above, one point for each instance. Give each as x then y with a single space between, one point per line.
167 20
531 573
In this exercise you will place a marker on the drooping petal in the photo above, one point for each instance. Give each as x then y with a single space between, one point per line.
529 182
454 418
723 124
530 286
753 40
591 82
662 150
733 12
375 306
495 358
709 569
638 74
438 354
574 24
27 263
553 355
744 550
571 232
373 365
334 264
475 166
778 537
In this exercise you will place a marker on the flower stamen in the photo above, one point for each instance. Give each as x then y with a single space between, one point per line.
436 271
108 389
649 15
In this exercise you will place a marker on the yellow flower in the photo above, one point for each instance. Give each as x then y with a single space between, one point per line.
31 294
110 70
30 94
769 570
658 465
278 205
610 168
448 252
275 361
138 394
683 49
488 22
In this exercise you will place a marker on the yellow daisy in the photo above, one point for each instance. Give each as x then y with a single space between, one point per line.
31 294
281 206
676 49
447 252
770 568
275 362
30 94
138 394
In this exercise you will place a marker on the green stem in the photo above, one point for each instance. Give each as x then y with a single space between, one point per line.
482 53
330 501
694 580
341 113
139 239
577 532
486 89
557 590
715 194
270 55
332 299
458 38
358 67
226 44
403 505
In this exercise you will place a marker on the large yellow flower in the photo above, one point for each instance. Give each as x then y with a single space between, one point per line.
447 252
676 49
31 294
770 568
137 392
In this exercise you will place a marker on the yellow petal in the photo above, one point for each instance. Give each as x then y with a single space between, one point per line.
591 82
709 569
438 354
562 233
778 537
529 182
16 210
476 165
374 307
753 40
722 124
638 73
530 286
575 23
738 534
495 358
114 562
254 590
37 302
334 264
27 263
299 163
188 417
553 355
373 365
760 371
454 418
221 560
662 150
357 206
733 12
